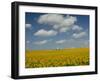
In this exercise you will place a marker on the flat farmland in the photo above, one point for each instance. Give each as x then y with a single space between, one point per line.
57 58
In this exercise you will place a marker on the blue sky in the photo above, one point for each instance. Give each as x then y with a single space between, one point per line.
52 31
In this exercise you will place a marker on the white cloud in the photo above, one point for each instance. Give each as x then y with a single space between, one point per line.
60 41
45 33
40 42
28 25
57 21
79 35
68 21
64 29
50 19
76 27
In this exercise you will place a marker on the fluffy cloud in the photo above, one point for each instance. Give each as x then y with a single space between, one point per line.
60 41
40 42
68 21
28 25
50 19
79 35
45 33
57 21
63 29
76 27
